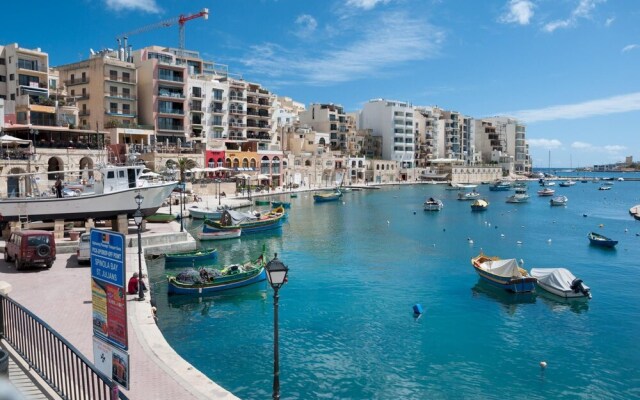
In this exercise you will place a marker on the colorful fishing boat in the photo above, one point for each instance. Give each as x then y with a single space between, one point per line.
191 258
600 240
506 274
500 186
220 235
210 280
160 218
284 204
561 282
248 222
479 205
433 204
328 196
263 202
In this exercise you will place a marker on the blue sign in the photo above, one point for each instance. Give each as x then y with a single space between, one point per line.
108 257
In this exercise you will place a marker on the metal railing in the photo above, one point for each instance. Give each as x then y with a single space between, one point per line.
52 357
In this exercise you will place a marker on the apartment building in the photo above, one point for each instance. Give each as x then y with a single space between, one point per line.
394 122
328 118
104 88
429 134
512 141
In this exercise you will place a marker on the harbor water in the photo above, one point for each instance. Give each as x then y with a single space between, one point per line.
359 266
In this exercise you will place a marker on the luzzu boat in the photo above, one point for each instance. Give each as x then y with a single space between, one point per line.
468 196
505 274
600 240
248 222
327 196
191 258
209 280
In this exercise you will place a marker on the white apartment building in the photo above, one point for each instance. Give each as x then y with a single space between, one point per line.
510 138
394 121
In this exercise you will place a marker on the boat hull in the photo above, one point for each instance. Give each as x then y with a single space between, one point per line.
249 227
97 206
512 284
218 284
197 259
565 294
204 213
220 235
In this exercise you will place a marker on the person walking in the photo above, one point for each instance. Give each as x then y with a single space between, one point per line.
58 186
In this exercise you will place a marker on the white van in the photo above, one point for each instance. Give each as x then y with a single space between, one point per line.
84 251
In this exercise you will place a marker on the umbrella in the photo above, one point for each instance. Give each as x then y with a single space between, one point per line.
243 176
261 177
8 139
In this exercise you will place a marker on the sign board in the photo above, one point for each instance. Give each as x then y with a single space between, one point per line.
111 361
108 292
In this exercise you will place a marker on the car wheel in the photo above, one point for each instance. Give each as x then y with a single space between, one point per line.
6 256
18 264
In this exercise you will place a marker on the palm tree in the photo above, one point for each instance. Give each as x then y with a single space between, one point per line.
183 165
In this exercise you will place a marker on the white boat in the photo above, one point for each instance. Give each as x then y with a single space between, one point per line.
432 204
546 192
206 212
220 235
520 196
468 196
559 201
604 187
111 194
567 183
561 282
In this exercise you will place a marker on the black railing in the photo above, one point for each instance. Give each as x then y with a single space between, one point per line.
52 357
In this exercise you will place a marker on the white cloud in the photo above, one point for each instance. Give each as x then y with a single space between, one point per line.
609 21
519 12
387 42
545 143
306 25
582 10
615 149
610 105
125 5
365 4
630 47
581 145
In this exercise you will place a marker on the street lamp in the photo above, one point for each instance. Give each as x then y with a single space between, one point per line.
34 133
277 275
137 217
218 182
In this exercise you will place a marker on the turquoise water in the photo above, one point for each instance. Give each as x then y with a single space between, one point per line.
357 267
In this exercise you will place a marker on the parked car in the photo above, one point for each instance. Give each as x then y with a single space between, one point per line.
84 249
30 248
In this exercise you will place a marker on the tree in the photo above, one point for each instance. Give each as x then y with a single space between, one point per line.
183 165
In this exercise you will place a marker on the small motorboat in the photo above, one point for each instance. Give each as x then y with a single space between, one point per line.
468 196
561 282
432 204
635 212
206 212
479 205
559 201
604 187
567 183
546 192
160 218
500 186
600 240
520 196
220 235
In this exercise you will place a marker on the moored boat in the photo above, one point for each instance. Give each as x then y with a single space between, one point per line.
284 204
635 212
248 222
220 235
561 282
546 192
604 187
601 240
506 274
263 202
520 196
206 212
479 205
500 186
327 196
160 218
209 280
468 196
559 201
191 258
433 204
567 183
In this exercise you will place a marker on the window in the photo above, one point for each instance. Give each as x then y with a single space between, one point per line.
72 78
113 75
84 77
3 78
113 108
1 61
126 77
13 96
28 80
197 92
12 77
73 93
126 109
113 91
126 93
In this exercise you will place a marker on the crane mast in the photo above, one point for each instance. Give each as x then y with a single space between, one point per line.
124 50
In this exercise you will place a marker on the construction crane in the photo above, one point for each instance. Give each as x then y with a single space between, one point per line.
180 20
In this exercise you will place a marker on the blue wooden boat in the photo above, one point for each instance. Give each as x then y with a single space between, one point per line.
210 280
327 196
248 222
500 186
284 204
195 258
505 274
263 202
600 240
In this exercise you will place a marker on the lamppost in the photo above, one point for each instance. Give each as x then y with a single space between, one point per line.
137 217
218 183
277 275
34 133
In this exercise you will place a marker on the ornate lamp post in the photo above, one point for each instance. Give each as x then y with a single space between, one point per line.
137 217
277 275
218 182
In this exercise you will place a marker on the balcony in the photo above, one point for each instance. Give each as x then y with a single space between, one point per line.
84 96
259 136
172 111
198 110
127 97
237 124
237 98
252 100
173 95
171 127
84 113
31 66
236 111
120 114
217 111
76 81
113 78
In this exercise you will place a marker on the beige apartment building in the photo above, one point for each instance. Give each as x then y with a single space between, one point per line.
329 118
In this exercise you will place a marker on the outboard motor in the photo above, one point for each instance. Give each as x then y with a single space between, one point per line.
578 286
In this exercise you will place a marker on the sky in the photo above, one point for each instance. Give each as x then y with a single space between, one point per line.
568 69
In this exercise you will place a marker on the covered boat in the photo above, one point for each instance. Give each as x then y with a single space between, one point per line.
479 205
206 212
327 196
506 274
191 258
432 204
546 192
601 240
561 282
559 201
248 222
209 280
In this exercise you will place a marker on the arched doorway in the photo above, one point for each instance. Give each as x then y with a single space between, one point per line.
86 166
55 166
16 186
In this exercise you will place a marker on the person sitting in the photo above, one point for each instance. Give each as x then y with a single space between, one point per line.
132 287
223 194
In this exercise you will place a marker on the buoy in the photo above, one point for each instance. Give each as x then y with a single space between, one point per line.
584 215
417 308
543 364
518 242
601 225
502 235
388 222
414 213
444 229
470 241
626 230
496 226
549 241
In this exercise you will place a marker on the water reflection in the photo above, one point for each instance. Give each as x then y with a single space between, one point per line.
509 300
559 304
189 303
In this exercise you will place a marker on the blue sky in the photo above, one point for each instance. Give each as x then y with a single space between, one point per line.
568 68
